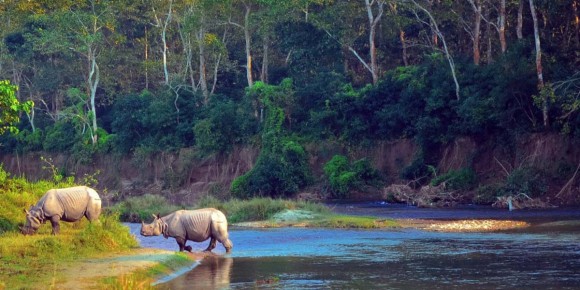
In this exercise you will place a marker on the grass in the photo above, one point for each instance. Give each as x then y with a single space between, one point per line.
142 279
26 262
265 211
359 222
140 208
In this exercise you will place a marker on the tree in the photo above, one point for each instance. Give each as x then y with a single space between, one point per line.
10 107
539 69
435 28
248 5
80 29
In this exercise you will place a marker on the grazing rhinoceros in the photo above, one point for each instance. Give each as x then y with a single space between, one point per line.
194 225
67 204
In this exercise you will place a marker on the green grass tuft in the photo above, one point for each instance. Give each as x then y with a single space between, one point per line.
358 222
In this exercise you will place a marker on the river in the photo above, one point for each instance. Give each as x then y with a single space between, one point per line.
545 255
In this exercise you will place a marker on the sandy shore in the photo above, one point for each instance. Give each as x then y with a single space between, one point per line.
88 273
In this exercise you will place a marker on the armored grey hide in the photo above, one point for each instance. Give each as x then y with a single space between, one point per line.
66 204
193 225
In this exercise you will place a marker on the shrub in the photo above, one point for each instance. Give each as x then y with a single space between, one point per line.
140 208
275 174
344 177
527 180
463 179
60 138
487 194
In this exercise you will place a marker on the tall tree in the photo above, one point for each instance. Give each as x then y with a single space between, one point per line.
245 25
539 69
87 26
432 23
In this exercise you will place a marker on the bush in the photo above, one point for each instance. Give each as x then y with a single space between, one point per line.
463 179
140 208
527 180
60 138
487 194
257 209
344 177
275 174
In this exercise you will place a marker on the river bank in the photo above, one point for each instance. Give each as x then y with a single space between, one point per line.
156 250
134 269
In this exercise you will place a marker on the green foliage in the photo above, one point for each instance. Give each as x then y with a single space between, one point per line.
416 170
356 222
462 179
258 208
282 167
344 177
31 141
140 208
277 174
60 138
530 181
10 107
225 125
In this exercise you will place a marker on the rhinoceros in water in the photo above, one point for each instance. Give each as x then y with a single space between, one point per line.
66 204
193 225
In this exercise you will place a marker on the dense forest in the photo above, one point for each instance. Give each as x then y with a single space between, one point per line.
144 76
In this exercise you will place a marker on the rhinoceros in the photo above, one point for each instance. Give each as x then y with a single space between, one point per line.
66 204
193 225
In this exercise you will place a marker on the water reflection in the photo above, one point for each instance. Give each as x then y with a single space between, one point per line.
213 272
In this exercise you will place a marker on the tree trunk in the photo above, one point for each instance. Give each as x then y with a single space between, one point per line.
575 6
404 46
539 64
164 42
93 82
520 20
435 29
502 39
373 23
476 33
146 59
488 33
265 60
248 40
202 65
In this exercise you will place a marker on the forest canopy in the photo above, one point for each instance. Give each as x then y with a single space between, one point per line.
156 75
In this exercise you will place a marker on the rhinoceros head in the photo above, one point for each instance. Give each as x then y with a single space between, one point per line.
153 229
34 218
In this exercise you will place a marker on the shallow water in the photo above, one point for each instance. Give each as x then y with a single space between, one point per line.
544 256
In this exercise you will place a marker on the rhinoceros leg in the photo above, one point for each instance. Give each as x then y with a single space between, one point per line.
181 242
211 245
54 220
220 232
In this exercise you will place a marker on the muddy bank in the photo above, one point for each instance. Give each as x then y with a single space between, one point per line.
183 176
